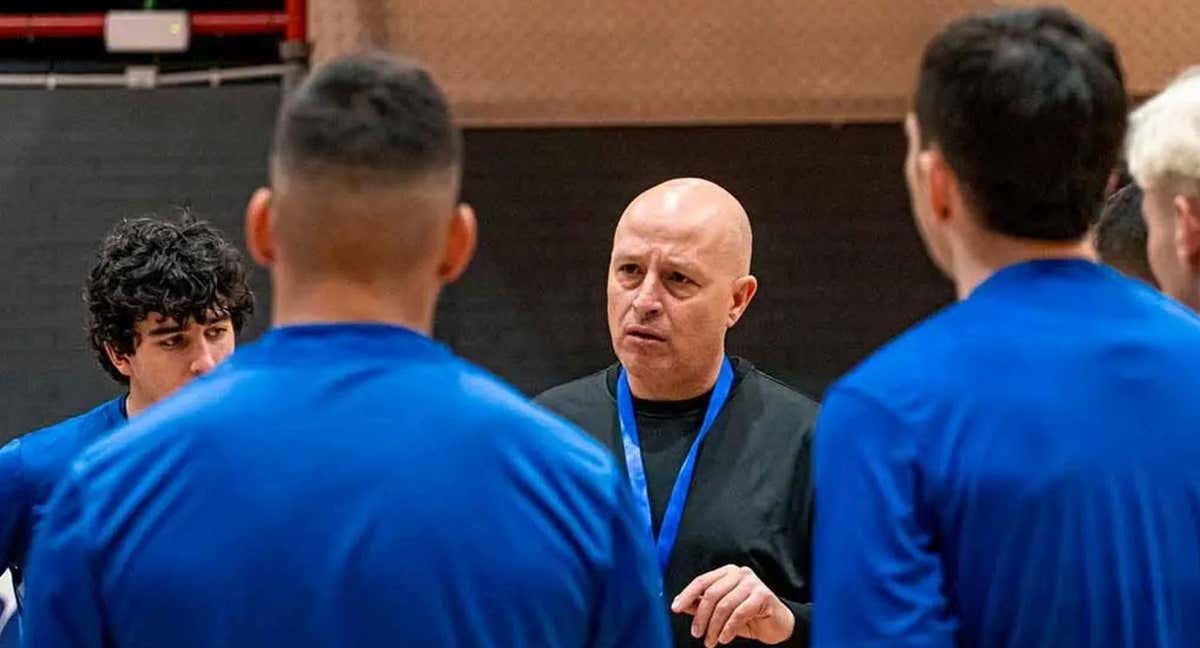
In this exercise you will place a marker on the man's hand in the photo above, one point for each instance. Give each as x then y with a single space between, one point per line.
732 602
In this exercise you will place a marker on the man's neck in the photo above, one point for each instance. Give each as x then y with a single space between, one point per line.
976 261
340 301
135 402
1192 300
668 386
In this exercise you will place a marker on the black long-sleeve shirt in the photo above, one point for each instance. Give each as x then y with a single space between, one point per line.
750 503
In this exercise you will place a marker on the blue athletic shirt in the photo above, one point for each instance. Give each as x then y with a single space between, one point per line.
349 485
30 466
1022 469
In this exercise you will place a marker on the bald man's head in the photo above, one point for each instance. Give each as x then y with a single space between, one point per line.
678 280
697 207
365 168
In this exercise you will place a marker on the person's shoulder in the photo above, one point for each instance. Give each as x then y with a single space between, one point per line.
492 398
170 425
1132 311
1171 313
579 399
776 392
574 463
100 418
47 452
587 389
904 365
487 393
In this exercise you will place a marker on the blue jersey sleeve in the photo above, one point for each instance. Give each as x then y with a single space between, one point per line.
877 580
14 505
62 602
632 610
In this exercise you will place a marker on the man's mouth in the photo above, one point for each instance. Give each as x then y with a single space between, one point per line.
644 333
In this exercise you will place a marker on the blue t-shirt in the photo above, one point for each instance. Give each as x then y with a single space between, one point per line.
1022 469
30 466
344 484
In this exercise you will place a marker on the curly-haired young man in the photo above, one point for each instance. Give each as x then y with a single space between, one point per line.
165 301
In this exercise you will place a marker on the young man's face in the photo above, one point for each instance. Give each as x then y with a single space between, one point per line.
167 354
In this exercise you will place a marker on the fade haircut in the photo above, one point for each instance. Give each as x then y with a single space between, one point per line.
369 149
370 113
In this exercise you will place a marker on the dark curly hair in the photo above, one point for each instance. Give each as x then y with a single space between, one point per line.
180 269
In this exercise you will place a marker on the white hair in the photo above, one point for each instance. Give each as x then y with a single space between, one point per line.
1164 135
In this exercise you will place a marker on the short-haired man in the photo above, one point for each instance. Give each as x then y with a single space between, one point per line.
347 480
1012 471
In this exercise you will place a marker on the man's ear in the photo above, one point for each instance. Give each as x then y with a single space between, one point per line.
744 290
460 244
260 232
1187 230
941 184
118 360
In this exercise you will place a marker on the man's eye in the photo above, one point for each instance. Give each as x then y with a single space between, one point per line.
215 333
679 278
629 269
171 343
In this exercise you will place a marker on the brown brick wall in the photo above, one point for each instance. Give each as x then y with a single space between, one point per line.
548 62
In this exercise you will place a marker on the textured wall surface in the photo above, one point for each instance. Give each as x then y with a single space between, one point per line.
839 263
545 62
74 163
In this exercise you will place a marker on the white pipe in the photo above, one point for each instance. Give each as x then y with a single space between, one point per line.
214 77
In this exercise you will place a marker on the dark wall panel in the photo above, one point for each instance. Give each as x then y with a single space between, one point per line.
839 264
73 162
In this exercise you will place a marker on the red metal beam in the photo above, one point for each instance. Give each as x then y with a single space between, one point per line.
238 23
51 25
297 13
204 23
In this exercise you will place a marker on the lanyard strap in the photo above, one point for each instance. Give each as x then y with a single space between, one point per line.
669 530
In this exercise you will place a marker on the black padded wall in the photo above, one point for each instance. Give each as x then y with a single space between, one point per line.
840 266
73 162
839 263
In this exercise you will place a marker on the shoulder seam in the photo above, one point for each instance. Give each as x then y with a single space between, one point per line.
600 375
791 388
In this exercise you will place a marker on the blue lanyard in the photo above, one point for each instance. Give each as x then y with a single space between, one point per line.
669 530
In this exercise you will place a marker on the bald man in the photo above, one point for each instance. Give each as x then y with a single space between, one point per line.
717 452
347 481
